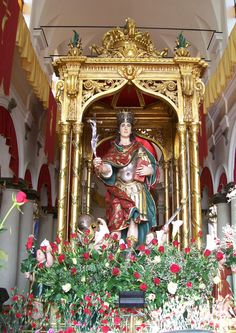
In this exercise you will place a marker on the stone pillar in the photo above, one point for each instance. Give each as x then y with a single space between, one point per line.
89 177
76 175
196 216
65 131
181 128
9 240
26 229
223 213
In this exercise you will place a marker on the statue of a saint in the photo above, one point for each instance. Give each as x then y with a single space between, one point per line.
128 170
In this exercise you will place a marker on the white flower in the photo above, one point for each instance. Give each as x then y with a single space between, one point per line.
74 260
66 287
216 279
83 279
107 264
151 297
157 259
172 287
202 286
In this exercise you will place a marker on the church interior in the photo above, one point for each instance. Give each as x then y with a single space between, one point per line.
71 73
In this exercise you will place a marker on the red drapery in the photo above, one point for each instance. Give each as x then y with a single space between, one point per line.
202 137
9 12
206 181
222 182
45 179
7 130
50 139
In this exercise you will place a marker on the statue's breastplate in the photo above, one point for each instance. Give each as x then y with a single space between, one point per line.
127 173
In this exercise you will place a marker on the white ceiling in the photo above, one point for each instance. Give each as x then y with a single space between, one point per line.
163 19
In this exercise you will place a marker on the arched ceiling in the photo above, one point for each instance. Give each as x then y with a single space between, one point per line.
163 19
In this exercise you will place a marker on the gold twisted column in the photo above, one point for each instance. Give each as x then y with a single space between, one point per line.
176 190
63 180
77 130
89 177
195 182
181 128
166 189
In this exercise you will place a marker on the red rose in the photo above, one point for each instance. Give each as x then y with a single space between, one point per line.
115 271
132 258
143 287
175 243
156 281
115 236
87 311
110 256
187 250
21 198
15 298
30 242
87 298
73 235
86 240
33 325
174 268
189 284
122 247
136 275
200 233
154 241
161 249
61 258
73 271
69 330
106 236
87 232
40 265
193 240
117 320
58 240
54 247
141 247
207 253
147 252
219 255
86 256
18 315
104 247
105 329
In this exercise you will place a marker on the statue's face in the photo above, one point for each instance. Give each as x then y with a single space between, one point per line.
125 130
40 256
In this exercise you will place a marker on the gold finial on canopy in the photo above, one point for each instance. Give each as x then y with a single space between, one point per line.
128 42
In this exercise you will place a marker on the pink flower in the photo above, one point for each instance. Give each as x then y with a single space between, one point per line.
143 286
117 320
189 284
115 271
174 268
105 329
21 198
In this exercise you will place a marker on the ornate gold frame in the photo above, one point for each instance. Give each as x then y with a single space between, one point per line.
128 56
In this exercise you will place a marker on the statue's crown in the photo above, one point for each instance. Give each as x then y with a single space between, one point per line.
125 116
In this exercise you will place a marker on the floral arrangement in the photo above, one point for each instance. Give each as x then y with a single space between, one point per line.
228 246
81 288
17 200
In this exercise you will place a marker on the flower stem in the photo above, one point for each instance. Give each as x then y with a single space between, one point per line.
6 216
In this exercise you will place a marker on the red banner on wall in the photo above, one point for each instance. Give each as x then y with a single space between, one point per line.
202 137
50 139
9 13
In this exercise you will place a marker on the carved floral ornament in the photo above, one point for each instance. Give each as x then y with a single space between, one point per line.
127 43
